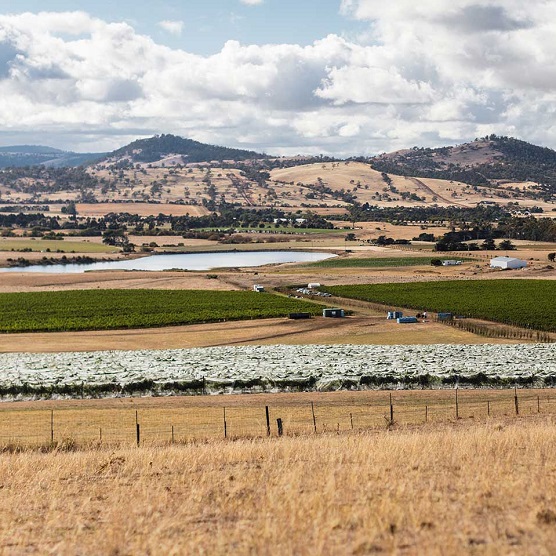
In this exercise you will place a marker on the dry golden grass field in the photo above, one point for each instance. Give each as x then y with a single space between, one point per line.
464 487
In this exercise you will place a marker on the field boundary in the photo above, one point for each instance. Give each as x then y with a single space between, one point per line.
155 421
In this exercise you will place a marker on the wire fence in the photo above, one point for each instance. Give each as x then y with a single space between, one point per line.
142 422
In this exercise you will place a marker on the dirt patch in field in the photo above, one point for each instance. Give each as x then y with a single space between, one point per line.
351 330
22 282
142 209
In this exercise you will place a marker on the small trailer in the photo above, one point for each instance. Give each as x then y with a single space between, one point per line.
442 317
407 320
334 313
258 288
298 316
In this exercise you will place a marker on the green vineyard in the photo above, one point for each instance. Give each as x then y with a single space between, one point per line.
377 262
527 303
112 309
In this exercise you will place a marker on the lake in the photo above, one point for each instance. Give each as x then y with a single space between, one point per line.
189 261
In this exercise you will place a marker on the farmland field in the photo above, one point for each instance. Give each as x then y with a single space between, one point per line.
113 309
376 262
221 370
53 245
527 303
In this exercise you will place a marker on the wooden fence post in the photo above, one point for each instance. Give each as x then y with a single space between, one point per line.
457 403
488 408
516 401
172 434
351 420
52 426
538 404
100 434
280 427
426 413
314 418
267 421
137 428
391 409
225 425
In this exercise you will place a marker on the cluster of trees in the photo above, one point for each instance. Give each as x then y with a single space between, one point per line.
40 179
121 222
372 213
487 245
231 216
530 228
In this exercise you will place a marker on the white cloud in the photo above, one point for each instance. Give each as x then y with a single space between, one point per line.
431 75
251 2
173 27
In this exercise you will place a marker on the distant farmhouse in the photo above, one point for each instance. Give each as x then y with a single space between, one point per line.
507 263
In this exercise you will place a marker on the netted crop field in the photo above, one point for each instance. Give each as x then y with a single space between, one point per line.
113 309
527 303
275 368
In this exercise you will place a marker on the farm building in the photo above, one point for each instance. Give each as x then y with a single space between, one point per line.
451 262
507 263
333 313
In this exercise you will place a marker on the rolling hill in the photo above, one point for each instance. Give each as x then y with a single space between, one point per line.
171 174
490 161
158 148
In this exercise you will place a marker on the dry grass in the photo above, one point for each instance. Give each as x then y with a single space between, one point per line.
484 488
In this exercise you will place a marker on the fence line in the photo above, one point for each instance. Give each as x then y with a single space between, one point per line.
160 424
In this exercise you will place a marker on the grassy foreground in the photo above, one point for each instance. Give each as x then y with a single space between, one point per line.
485 488
112 309
527 303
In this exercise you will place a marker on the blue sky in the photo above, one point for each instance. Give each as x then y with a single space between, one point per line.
207 25
339 77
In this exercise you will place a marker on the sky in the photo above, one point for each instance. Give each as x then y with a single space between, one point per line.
337 77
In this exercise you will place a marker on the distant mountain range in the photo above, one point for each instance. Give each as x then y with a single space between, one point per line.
489 161
149 150
33 155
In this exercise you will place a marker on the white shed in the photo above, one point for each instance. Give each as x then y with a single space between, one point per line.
507 263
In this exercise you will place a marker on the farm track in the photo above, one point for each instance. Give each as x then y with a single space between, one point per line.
433 193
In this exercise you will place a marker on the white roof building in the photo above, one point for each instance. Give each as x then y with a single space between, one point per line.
507 263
